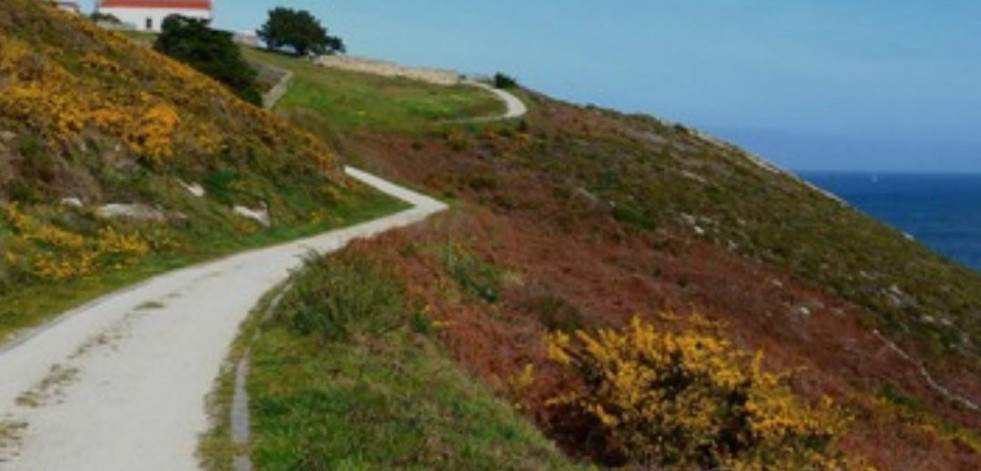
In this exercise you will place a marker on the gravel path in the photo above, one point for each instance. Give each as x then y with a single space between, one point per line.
120 384
515 107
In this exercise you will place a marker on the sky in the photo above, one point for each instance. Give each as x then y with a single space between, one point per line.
870 85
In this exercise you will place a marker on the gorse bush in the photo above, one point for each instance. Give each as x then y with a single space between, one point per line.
334 298
64 79
38 250
691 399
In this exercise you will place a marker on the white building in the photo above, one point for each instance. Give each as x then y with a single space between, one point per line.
148 15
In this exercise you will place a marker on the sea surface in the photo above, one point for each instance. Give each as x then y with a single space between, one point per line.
942 211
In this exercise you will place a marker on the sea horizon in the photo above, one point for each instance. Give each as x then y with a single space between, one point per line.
939 209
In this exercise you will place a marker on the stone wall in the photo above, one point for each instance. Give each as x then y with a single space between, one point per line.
390 69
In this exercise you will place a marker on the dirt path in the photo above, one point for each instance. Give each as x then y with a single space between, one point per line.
120 384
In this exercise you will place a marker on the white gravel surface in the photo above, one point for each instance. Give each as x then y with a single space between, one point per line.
120 384
515 107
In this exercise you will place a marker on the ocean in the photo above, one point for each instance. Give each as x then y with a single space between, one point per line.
942 211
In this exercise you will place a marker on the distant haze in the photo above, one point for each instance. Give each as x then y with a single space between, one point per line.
817 85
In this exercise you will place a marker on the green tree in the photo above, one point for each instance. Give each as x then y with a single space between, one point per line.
211 52
299 31
502 80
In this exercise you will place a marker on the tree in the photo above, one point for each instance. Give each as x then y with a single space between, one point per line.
211 52
336 44
502 80
300 31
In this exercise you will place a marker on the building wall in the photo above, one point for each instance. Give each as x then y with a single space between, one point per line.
151 19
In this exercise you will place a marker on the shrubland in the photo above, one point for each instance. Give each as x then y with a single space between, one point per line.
578 219
690 398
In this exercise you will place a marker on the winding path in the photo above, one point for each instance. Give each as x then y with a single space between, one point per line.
515 107
120 384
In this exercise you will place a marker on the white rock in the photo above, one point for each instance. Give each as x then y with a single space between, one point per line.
131 211
258 215
194 189
71 202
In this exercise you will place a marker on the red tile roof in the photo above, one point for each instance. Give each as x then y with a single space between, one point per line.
175 4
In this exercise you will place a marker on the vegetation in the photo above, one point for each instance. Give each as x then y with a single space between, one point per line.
505 81
106 18
691 399
298 31
332 102
592 216
211 52
328 303
88 117
366 388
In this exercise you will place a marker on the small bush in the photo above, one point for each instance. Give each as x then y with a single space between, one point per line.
691 399
337 297
458 140
472 274
504 81
553 311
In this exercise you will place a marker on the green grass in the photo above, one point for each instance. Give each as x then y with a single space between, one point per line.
472 274
381 397
329 100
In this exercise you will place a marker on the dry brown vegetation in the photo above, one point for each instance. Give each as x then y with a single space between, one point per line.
531 249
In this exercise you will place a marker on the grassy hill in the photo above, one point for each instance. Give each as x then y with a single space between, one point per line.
89 119
579 218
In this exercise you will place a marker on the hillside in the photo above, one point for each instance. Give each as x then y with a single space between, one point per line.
812 329
116 163
580 218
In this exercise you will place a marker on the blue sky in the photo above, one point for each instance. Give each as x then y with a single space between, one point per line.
815 84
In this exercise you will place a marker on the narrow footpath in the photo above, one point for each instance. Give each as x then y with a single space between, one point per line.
120 384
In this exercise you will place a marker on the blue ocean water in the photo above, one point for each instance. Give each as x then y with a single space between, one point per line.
942 211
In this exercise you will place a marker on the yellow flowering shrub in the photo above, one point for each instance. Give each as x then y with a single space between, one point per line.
153 132
82 81
691 398
52 253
